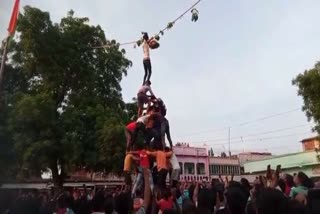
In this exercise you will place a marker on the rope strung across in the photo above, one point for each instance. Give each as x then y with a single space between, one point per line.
194 18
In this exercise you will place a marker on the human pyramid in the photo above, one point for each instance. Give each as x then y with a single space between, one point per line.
153 157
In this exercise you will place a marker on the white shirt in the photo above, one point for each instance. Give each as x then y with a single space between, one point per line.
146 50
143 119
174 162
144 89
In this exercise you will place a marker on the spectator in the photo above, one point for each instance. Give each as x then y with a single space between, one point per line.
313 201
166 201
303 183
98 203
271 201
296 207
236 199
63 206
288 179
109 205
137 201
246 186
188 207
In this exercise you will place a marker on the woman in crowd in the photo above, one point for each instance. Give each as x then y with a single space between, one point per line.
303 183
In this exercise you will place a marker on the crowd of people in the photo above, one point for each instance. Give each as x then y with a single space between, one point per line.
271 194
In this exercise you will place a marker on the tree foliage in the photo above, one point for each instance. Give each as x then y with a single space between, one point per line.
66 111
308 84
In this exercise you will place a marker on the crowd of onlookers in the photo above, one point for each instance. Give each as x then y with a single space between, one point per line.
271 194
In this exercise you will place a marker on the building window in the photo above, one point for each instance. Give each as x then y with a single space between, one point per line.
211 169
181 167
189 168
216 170
200 169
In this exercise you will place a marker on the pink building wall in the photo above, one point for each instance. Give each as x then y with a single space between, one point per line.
194 155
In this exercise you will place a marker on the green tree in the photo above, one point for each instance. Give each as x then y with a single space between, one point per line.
308 84
71 114
15 82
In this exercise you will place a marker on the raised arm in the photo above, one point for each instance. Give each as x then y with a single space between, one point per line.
133 152
147 190
168 154
135 158
152 153
195 194
168 133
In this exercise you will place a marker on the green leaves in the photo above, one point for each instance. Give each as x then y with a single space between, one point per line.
308 85
63 98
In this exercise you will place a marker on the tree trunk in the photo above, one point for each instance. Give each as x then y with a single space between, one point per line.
57 179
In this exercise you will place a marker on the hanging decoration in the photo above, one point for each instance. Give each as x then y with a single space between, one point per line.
139 42
195 15
157 37
154 43
170 25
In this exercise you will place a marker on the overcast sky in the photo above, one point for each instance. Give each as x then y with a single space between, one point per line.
234 65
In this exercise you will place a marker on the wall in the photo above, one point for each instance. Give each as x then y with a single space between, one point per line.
310 145
252 156
190 151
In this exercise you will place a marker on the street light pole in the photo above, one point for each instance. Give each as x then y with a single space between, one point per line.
229 133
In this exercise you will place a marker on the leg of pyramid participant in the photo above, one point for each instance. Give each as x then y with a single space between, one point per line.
145 162
142 96
148 65
145 72
127 167
161 158
129 131
146 57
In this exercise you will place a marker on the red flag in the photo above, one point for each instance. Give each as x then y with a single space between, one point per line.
14 18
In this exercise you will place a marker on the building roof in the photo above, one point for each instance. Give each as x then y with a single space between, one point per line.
287 161
190 151
255 153
310 138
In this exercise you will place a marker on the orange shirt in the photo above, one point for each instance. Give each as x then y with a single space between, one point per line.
127 162
161 158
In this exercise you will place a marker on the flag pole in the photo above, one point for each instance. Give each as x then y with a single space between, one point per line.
3 62
11 29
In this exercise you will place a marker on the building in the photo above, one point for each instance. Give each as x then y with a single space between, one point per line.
310 144
196 164
252 156
307 162
224 166
193 162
